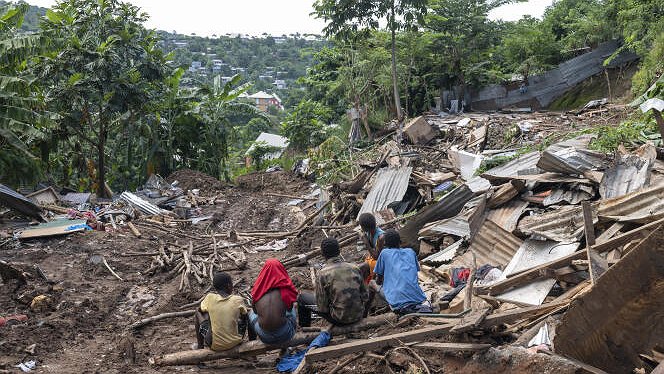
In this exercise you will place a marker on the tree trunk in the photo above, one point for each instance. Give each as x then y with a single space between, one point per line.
395 84
101 172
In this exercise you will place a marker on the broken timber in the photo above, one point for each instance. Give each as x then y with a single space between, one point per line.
376 343
596 264
545 270
253 348
452 347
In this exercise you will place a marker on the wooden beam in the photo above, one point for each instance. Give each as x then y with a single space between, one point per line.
596 264
538 272
471 321
254 348
610 232
626 237
452 347
377 343
514 315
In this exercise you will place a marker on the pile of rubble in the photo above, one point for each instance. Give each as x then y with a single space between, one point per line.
558 248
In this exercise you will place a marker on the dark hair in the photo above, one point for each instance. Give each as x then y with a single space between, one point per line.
367 221
392 239
329 247
222 281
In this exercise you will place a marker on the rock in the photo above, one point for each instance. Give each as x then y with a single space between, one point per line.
41 303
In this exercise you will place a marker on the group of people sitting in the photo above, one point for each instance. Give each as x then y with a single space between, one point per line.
343 293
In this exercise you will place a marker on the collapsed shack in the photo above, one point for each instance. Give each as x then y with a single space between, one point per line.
531 245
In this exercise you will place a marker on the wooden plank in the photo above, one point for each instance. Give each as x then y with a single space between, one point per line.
377 343
452 347
627 237
471 321
53 228
596 264
514 315
610 232
542 271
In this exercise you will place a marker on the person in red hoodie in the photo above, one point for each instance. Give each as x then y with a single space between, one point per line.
273 318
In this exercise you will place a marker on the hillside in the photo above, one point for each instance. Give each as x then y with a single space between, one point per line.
272 63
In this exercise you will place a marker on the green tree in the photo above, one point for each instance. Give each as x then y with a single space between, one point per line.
528 47
106 71
19 102
306 125
346 18
463 37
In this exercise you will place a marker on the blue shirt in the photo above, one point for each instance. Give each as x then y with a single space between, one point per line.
399 269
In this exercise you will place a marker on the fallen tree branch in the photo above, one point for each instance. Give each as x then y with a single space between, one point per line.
145 321
103 259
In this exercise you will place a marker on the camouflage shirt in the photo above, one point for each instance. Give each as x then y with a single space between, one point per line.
340 291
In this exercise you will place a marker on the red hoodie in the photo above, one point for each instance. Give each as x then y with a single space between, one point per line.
274 275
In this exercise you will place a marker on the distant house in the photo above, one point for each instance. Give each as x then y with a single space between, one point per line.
280 84
273 140
264 100
195 66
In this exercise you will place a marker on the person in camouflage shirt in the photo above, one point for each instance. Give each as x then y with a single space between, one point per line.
341 294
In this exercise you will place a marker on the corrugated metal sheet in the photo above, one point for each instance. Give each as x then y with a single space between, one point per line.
569 196
630 173
571 160
507 215
465 224
640 206
522 165
140 204
444 255
533 253
390 185
18 202
562 225
449 206
457 226
76 197
493 245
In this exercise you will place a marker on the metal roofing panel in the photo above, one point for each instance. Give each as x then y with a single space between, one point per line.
142 205
562 225
390 185
444 255
630 173
522 165
76 197
507 215
457 226
644 205
533 253
493 245
18 202
571 160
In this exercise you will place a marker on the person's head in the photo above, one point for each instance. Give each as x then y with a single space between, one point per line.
222 282
367 222
365 270
329 247
392 239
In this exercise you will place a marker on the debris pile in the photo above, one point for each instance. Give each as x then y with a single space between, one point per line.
538 253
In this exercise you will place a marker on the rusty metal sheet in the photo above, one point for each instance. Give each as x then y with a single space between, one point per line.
621 316
507 215
390 185
642 206
561 225
491 245
525 164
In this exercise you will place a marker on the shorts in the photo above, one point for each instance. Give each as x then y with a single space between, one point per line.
205 331
283 334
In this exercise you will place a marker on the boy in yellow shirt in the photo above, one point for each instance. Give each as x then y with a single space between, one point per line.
221 319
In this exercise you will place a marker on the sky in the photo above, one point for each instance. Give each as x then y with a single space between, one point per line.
254 17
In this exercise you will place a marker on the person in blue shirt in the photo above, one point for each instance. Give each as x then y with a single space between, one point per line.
396 277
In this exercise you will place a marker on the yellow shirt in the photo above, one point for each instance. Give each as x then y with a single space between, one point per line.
224 314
